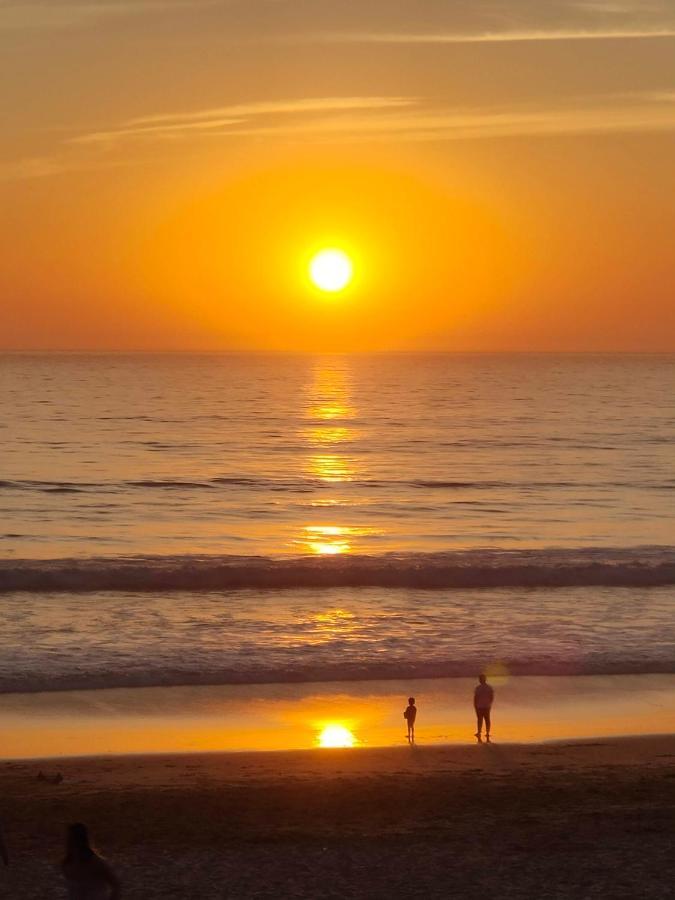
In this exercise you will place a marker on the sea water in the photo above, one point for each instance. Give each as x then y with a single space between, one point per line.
173 519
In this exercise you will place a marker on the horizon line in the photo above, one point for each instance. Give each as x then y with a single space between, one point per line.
276 352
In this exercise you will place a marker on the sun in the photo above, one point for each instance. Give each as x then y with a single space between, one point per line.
331 270
336 736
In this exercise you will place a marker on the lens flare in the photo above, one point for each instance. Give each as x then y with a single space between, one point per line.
497 672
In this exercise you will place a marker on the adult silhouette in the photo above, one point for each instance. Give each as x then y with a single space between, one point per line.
483 698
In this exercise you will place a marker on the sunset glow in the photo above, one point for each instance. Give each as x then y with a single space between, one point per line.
416 171
337 353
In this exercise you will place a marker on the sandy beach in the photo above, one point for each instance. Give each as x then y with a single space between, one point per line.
575 819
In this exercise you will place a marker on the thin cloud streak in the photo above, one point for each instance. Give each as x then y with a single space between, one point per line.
175 130
447 127
496 37
19 16
179 124
619 7
653 111
305 104
405 118
34 167
359 120
30 167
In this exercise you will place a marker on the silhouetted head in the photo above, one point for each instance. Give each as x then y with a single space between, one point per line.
78 847
411 701
482 678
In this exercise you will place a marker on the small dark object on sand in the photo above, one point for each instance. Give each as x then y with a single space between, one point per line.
50 779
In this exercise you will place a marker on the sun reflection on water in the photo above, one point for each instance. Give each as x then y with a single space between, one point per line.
331 468
326 540
330 625
335 735
334 619
332 434
332 411
323 548
332 458
330 540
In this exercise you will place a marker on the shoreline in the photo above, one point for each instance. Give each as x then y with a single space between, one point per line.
300 681
368 759
284 717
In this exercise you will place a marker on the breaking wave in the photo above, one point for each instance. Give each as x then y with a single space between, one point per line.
583 567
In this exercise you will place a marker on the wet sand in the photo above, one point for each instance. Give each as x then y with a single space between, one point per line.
292 716
579 819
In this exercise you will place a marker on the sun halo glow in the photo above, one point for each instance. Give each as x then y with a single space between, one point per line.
331 270
336 736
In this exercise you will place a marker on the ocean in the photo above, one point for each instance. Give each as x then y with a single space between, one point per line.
180 519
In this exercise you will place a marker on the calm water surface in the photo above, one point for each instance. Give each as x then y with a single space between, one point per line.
108 455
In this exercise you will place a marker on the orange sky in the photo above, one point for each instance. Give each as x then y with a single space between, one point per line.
501 174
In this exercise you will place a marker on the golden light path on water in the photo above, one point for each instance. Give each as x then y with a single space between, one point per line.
327 540
331 468
329 461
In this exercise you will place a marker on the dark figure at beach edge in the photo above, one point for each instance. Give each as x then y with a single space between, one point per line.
410 714
4 855
483 698
88 876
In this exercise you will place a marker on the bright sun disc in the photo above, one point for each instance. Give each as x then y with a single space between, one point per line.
331 270
336 736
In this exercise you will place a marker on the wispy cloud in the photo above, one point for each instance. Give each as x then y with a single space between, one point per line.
488 37
30 167
57 14
209 120
301 105
401 118
459 124
357 119
619 7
